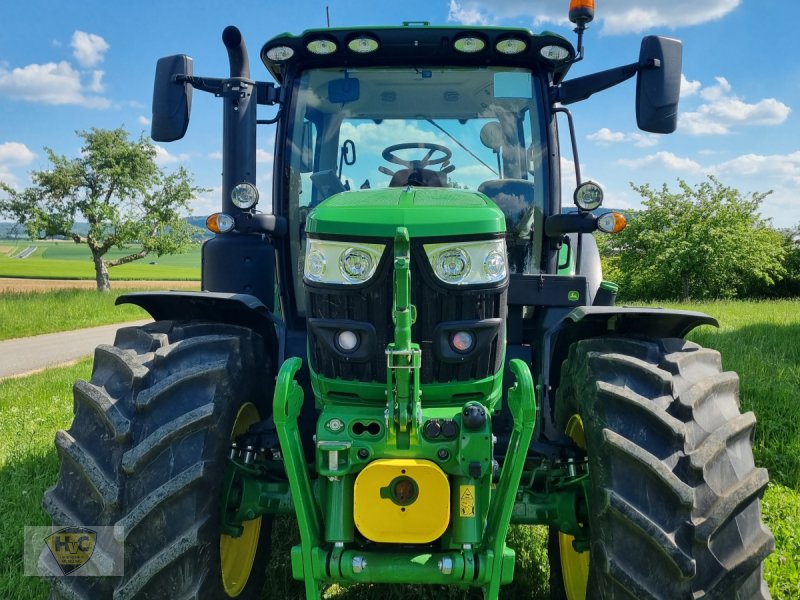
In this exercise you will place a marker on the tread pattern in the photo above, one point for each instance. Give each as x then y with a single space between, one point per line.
674 507
146 454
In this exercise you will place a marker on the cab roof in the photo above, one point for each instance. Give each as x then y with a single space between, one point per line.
418 43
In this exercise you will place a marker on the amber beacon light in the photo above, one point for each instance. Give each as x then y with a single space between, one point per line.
581 12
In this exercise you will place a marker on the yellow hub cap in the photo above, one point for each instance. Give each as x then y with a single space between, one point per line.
237 554
574 565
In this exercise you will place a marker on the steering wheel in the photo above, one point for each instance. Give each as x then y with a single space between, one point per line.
389 154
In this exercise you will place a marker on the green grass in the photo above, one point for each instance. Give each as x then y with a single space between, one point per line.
33 313
66 260
759 340
31 410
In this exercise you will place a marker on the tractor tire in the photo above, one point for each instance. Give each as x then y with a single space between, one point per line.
147 451
674 506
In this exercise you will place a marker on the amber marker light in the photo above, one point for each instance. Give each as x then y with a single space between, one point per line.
611 222
220 223
581 11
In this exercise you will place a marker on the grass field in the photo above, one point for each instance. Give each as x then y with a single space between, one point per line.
67 260
33 313
759 340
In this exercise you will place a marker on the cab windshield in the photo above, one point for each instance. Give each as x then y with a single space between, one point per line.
372 128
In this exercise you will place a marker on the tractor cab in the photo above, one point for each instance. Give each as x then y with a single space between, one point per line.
377 110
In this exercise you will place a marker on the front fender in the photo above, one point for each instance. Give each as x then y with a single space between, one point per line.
560 329
235 309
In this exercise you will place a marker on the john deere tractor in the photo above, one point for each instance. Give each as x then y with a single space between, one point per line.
411 346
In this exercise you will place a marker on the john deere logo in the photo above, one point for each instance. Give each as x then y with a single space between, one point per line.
72 547
573 296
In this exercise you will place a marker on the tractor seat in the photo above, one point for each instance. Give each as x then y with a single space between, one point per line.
416 177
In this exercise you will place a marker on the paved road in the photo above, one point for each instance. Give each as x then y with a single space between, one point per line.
25 355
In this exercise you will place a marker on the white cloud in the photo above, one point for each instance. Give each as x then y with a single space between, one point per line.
262 156
471 16
50 83
777 168
689 88
88 48
666 160
96 84
215 155
722 110
143 120
15 153
617 17
163 156
12 155
568 180
605 136
207 203
372 138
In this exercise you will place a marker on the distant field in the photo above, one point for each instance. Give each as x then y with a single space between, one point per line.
67 260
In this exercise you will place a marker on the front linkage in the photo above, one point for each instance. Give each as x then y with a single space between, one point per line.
427 480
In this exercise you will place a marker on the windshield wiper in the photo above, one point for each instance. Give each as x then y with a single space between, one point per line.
471 153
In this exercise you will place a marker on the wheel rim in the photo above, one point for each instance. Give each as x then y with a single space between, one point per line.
574 565
237 554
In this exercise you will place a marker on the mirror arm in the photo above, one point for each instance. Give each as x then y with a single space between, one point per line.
580 88
556 226
204 84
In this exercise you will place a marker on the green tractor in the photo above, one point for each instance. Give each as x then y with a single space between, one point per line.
412 347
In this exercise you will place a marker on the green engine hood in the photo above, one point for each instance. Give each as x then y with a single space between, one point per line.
425 212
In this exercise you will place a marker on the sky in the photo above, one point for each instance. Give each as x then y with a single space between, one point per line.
69 66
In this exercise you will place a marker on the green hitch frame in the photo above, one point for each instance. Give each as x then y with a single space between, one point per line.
403 357
489 564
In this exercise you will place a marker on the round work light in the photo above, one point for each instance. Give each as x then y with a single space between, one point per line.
280 53
244 195
363 44
588 195
469 45
322 47
511 46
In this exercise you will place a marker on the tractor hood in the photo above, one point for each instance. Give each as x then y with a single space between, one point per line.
425 212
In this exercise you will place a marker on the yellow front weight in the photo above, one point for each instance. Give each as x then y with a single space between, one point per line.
402 501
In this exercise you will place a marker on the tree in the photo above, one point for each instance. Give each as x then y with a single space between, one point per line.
117 188
706 241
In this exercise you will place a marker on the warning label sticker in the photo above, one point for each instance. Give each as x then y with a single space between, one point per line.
467 501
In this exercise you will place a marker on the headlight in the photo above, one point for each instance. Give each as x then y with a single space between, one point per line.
469 263
588 195
342 263
244 195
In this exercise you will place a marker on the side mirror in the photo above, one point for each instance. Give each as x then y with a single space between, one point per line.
658 87
172 99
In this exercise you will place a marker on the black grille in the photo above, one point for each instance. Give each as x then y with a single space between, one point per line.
435 304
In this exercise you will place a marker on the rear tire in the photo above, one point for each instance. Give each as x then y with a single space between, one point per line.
674 501
147 451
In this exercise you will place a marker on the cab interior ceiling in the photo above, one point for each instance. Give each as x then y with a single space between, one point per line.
396 94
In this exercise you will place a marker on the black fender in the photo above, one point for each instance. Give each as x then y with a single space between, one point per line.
234 309
559 328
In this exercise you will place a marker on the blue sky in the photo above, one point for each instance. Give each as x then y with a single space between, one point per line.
67 66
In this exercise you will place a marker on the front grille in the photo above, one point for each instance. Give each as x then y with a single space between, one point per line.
435 304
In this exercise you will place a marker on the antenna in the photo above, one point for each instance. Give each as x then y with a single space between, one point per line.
328 15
